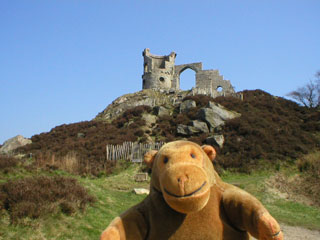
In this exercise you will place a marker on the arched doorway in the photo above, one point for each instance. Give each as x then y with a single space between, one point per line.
187 79
219 89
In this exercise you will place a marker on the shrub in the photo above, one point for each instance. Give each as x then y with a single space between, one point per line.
136 111
201 100
310 164
34 197
67 208
85 142
53 149
7 163
139 133
270 128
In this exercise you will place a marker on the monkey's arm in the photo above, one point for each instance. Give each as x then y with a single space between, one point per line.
247 213
129 226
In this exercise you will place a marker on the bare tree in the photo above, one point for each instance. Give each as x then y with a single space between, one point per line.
308 95
318 86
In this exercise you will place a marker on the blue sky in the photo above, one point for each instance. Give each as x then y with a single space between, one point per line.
64 61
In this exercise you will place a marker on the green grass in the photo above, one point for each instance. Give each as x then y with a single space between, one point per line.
114 195
285 211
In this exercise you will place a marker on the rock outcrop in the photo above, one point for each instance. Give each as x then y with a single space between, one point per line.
187 105
13 143
195 127
147 97
215 115
200 126
215 140
161 111
208 120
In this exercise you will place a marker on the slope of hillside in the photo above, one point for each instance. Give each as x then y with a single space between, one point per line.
146 97
80 147
270 130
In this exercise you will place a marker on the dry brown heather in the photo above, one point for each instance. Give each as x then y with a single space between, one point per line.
34 197
80 147
7 163
270 128
310 164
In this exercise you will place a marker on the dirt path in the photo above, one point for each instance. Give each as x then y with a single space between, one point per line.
299 233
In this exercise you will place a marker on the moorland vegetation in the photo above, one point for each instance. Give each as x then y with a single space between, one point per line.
271 131
62 179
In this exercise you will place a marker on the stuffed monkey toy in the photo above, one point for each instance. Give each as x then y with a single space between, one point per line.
188 200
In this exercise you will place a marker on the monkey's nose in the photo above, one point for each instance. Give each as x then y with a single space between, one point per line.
181 181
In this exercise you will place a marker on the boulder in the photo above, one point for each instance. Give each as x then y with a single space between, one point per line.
186 105
80 135
210 117
215 140
161 111
223 113
215 115
201 126
182 129
14 143
149 119
195 128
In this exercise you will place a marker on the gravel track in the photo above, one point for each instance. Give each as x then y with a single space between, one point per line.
299 233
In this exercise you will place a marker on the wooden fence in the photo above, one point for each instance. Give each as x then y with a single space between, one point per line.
130 151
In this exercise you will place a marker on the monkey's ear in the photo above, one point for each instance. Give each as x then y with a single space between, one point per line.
149 157
209 150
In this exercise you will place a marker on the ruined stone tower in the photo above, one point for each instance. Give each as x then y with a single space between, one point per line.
160 72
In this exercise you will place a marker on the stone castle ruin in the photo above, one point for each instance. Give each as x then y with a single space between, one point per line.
160 72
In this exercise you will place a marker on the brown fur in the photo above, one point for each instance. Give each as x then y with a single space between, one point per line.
188 200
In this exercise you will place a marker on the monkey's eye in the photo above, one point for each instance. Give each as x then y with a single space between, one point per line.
192 155
165 160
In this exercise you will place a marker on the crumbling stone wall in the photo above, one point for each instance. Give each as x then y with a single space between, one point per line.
178 69
160 72
210 82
